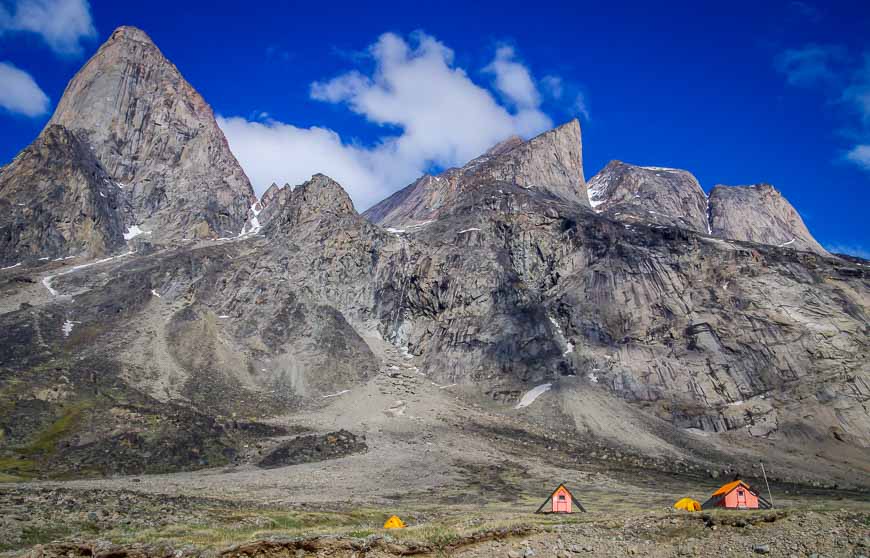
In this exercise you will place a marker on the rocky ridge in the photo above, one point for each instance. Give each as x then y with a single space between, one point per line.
659 195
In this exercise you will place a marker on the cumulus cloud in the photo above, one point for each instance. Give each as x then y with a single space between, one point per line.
20 94
62 24
513 80
444 119
272 151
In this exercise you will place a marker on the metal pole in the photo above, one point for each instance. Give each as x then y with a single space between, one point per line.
768 485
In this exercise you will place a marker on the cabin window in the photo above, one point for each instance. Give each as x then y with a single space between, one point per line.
740 493
562 497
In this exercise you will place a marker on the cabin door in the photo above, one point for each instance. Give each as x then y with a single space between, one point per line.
741 498
561 504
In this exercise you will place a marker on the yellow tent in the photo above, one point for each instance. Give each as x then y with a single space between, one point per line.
394 523
688 504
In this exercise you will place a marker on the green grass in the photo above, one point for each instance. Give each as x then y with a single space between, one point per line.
231 527
47 440
438 526
37 535
24 466
14 469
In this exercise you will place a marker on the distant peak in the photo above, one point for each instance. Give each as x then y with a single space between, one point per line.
319 201
323 193
130 33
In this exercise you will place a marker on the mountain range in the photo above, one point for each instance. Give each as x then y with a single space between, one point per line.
157 317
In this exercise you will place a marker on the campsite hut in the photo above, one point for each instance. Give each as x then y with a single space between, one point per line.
736 495
561 501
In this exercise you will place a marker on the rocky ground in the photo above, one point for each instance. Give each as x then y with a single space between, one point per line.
42 522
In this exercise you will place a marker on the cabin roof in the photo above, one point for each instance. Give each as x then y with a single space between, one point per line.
726 488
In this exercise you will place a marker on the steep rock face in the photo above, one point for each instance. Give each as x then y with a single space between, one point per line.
759 213
512 289
56 200
551 162
156 136
509 289
649 194
334 254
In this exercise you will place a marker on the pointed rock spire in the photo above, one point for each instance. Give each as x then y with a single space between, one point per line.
551 162
155 134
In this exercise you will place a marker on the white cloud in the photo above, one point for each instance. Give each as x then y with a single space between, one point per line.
20 94
444 118
272 151
62 24
513 80
860 155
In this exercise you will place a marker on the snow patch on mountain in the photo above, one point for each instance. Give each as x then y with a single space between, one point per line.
530 396
133 232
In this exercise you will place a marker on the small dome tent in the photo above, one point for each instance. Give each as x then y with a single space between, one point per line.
394 523
688 504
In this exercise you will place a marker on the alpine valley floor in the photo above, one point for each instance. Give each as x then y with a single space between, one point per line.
466 478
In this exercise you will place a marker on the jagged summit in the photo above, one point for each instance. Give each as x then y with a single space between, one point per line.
759 213
551 162
320 199
156 135
649 194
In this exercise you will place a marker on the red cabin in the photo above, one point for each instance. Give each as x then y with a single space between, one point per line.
736 495
561 501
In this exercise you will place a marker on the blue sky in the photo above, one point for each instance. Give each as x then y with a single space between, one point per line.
373 94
